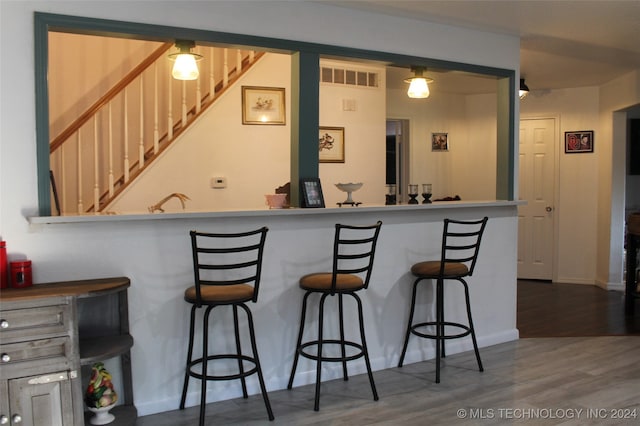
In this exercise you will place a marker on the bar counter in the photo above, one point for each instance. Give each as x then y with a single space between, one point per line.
158 262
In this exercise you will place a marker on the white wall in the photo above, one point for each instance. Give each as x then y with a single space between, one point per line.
364 137
615 96
470 122
254 159
155 254
577 109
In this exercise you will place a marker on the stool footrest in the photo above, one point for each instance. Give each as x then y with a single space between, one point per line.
317 357
239 375
466 328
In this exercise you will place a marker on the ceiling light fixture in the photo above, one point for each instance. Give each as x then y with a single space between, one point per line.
418 84
185 67
524 90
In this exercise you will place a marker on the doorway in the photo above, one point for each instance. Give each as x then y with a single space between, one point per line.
397 156
536 219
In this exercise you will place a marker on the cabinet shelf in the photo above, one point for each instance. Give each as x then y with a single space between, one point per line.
96 349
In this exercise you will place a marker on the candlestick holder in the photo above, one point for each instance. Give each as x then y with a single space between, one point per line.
390 196
426 193
413 194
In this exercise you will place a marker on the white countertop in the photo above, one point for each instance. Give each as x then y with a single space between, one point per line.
280 212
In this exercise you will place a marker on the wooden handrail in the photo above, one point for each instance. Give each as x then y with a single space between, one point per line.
115 90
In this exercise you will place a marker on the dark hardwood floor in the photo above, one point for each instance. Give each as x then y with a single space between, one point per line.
548 309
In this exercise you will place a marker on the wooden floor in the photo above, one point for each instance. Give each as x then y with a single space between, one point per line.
561 310
587 379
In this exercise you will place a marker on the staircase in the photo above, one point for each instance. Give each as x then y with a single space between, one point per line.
103 151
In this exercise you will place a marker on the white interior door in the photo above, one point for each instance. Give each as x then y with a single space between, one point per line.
536 180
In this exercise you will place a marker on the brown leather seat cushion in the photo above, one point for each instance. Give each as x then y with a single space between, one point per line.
431 269
220 293
321 281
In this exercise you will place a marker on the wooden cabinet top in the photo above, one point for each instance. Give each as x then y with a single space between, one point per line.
80 288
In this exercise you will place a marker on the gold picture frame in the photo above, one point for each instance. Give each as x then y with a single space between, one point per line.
263 105
331 144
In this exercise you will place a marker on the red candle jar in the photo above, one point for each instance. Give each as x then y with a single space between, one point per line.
21 274
4 272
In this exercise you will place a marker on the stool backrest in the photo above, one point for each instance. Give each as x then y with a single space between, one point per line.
354 248
227 259
461 242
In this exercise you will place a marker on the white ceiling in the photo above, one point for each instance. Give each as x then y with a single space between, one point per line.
563 43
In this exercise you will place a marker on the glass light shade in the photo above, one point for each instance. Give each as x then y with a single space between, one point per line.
185 67
418 88
524 89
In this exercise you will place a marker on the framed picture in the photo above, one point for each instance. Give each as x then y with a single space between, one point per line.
263 105
331 144
580 141
311 193
439 142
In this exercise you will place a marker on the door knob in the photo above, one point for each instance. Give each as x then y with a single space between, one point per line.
549 209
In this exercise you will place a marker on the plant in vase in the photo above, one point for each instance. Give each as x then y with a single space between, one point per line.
100 396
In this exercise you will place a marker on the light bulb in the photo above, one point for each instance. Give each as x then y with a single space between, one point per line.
185 67
418 88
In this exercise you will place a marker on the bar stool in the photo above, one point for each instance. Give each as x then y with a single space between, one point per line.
227 273
353 253
460 246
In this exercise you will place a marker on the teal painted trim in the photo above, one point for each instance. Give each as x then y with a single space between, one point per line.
306 115
305 112
309 114
505 161
111 28
42 114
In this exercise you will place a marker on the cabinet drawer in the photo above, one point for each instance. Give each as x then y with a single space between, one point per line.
24 324
36 355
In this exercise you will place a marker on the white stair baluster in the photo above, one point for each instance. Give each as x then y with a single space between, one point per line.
110 151
170 111
79 177
125 139
225 68
212 79
156 131
141 139
63 179
96 169
184 104
198 94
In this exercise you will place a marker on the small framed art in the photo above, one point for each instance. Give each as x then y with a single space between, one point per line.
331 144
580 141
439 142
311 193
263 105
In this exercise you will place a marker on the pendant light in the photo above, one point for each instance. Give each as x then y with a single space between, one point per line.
185 67
524 90
418 84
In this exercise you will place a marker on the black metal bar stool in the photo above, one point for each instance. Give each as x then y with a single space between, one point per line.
227 273
460 246
353 253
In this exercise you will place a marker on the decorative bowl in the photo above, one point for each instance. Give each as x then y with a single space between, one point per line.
276 201
349 188
102 415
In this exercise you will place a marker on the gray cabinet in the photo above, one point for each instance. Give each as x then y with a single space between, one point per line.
39 365
50 335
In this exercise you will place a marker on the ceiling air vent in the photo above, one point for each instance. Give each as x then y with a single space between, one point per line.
348 77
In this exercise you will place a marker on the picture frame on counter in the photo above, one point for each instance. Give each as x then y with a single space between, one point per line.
311 189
